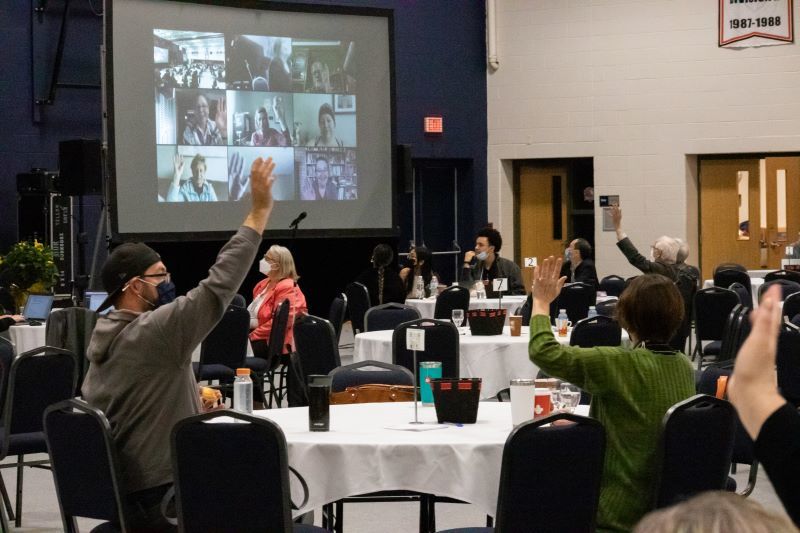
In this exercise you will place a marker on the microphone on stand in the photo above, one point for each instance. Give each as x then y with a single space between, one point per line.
297 221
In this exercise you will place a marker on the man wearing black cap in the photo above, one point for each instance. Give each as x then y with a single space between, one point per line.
141 374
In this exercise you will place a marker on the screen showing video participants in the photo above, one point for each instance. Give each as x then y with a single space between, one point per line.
223 100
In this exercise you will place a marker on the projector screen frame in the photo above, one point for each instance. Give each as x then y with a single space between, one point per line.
110 176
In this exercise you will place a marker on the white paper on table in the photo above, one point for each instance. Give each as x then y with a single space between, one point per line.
500 284
416 427
415 339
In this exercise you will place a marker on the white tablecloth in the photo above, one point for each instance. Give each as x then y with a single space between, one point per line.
25 337
509 303
755 283
359 455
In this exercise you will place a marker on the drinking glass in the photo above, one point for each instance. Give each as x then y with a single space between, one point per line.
555 398
458 317
570 397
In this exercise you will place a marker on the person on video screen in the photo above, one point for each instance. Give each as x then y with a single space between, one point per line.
327 128
320 186
266 136
320 77
196 189
201 131
280 75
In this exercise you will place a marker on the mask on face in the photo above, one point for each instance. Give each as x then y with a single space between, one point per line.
264 266
482 256
567 255
166 294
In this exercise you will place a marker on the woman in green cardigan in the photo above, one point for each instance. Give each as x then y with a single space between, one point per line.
632 388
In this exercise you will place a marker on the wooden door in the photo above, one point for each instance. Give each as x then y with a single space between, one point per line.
721 240
782 180
542 213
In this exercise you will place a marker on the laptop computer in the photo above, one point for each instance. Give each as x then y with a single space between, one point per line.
93 300
37 308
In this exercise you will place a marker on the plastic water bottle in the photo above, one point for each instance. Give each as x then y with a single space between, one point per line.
243 391
434 286
592 312
562 323
419 287
480 291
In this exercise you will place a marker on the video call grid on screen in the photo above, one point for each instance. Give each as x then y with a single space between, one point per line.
223 98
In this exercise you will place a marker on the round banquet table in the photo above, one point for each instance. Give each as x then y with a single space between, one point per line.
426 306
360 455
497 359
26 337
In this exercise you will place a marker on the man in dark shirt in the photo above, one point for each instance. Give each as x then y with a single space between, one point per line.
485 264
579 266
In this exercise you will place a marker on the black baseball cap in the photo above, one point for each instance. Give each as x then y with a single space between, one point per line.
125 263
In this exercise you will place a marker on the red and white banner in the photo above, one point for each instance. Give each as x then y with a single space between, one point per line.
746 23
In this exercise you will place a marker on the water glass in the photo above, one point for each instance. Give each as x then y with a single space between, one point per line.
570 397
458 317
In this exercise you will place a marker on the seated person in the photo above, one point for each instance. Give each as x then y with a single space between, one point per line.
6 321
419 260
196 189
485 264
320 186
267 136
382 281
326 120
201 131
683 267
663 252
772 423
578 265
632 387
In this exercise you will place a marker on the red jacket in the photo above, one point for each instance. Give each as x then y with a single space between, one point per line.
285 288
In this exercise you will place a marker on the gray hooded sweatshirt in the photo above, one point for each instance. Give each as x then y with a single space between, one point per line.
141 373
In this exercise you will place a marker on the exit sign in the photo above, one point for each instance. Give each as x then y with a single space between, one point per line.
434 126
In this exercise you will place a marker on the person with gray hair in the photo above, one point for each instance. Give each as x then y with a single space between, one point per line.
684 268
663 252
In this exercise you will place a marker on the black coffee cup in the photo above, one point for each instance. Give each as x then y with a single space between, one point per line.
319 412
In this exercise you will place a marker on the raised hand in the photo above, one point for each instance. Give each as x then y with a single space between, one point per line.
616 216
222 118
547 284
237 182
179 164
261 179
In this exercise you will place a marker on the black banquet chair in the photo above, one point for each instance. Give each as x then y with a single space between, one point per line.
264 369
568 500
85 466
225 348
388 316
248 453
453 297
612 285
724 277
368 372
607 307
357 304
317 351
788 275
696 449
711 309
38 379
788 287
791 306
788 363
441 344
596 331
576 299
336 314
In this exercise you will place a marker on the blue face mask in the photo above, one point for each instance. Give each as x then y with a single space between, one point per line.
166 293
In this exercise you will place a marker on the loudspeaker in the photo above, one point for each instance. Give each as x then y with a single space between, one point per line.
80 166
405 170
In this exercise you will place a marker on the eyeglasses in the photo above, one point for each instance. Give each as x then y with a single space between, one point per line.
163 275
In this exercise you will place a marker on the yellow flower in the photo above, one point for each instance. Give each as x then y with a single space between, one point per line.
38 245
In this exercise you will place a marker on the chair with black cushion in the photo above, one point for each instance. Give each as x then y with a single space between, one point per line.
336 314
743 447
788 363
607 308
6 359
224 349
687 286
264 368
367 372
453 297
711 309
788 287
745 298
357 304
576 299
85 466
38 378
239 301
315 343
612 285
573 470
71 328
730 334
791 306
596 331
388 316
789 275
441 344
695 450
726 276
248 453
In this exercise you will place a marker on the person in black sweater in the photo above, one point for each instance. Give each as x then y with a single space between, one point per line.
578 265
770 421
382 280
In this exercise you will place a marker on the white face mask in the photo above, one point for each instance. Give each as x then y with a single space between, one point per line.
567 254
482 256
264 266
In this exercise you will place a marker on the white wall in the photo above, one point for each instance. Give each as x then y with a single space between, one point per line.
638 85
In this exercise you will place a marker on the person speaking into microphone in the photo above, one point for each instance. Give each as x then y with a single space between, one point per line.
485 264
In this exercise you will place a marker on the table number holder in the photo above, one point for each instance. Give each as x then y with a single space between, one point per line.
500 285
415 341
